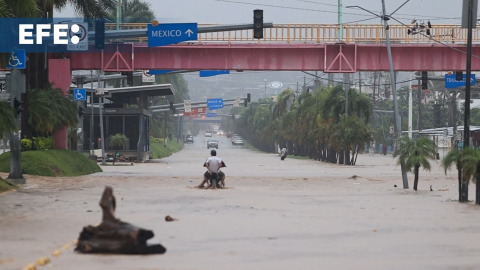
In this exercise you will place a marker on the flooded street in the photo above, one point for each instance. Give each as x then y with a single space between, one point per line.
292 214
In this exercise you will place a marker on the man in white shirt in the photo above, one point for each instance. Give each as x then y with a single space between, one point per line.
283 153
213 164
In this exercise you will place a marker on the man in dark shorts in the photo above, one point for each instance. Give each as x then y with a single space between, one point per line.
213 164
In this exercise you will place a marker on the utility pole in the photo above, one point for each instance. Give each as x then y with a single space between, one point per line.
466 129
91 116
16 85
81 108
340 21
398 126
419 103
346 86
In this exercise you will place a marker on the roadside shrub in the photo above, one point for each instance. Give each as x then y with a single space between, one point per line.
26 144
42 143
157 140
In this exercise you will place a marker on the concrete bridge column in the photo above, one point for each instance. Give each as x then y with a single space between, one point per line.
59 75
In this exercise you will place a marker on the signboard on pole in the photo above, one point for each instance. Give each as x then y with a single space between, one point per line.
195 111
215 103
209 73
451 82
465 9
82 35
187 106
79 94
171 33
147 77
17 59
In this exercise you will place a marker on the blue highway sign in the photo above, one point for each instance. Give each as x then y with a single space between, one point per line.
17 59
208 73
171 33
79 94
451 82
215 103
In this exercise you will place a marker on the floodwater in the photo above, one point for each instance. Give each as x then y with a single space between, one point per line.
292 214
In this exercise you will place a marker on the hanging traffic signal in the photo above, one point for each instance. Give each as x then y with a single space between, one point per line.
171 106
130 78
459 75
258 23
248 97
424 80
17 106
100 34
80 111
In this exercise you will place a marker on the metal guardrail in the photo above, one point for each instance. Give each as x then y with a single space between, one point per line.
323 33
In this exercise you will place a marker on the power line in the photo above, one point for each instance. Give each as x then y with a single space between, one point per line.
312 2
336 12
437 41
296 8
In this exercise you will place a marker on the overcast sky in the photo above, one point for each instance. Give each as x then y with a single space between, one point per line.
299 11
295 11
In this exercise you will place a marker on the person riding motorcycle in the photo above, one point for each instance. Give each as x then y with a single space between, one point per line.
213 164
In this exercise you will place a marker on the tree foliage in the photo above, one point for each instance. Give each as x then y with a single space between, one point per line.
7 119
415 153
50 110
312 125
136 11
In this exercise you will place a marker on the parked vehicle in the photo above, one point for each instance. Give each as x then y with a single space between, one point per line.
189 139
212 144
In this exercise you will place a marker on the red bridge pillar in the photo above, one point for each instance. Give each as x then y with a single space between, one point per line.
59 75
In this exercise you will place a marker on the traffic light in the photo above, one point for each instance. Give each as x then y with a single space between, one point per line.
171 106
248 97
80 111
459 76
100 34
258 23
245 104
17 106
130 78
424 80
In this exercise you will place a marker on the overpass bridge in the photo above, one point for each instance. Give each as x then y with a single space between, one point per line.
292 47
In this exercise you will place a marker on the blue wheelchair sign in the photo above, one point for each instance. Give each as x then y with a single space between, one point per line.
79 94
17 59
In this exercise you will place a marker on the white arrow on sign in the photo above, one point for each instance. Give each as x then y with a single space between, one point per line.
189 32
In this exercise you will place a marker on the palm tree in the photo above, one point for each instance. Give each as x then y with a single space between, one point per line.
50 110
351 134
118 140
455 156
415 153
86 8
7 119
136 11
468 166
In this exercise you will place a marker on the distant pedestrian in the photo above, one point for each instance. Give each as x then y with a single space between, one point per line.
283 153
